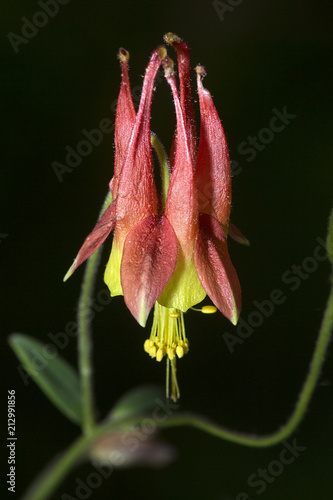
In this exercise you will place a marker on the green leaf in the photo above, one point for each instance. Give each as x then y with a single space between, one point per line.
137 401
55 377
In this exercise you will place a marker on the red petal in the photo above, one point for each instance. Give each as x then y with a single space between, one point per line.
137 195
95 239
183 59
213 174
237 235
181 204
125 118
148 262
214 267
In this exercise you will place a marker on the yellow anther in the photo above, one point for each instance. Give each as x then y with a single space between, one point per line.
160 353
208 309
147 345
152 351
179 351
171 353
174 315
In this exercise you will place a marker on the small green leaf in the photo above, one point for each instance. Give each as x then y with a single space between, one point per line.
55 377
137 401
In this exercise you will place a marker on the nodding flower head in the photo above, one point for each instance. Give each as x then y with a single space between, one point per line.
169 249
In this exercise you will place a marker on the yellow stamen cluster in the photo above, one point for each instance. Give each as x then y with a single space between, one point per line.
168 339
167 336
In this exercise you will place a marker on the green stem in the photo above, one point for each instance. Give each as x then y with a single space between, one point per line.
84 337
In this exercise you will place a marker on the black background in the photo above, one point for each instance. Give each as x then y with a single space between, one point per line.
263 55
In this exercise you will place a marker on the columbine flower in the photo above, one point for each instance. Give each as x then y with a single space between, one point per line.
173 252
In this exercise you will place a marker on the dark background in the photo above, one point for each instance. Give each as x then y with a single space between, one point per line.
261 56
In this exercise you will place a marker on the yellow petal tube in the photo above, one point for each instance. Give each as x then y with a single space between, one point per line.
184 289
112 270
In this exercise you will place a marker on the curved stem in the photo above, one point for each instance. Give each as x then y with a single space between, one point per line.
55 473
84 337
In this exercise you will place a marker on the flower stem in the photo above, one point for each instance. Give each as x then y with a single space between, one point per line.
84 337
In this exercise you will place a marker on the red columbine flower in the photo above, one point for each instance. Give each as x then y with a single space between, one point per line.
172 255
